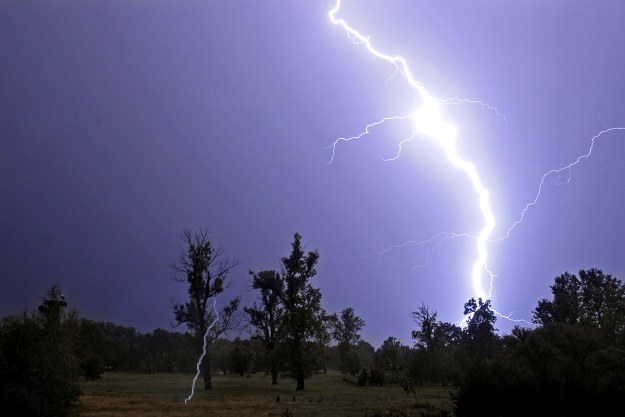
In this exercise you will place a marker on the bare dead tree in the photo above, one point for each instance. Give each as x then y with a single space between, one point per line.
204 269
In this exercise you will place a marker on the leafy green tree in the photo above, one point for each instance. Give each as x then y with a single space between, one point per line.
346 332
565 306
434 357
447 335
432 334
267 316
365 353
39 375
323 338
603 302
347 328
204 269
566 370
392 359
302 309
594 299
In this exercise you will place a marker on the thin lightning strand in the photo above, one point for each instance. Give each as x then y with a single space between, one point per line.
440 238
399 148
557 171
363 133
205 340
428 121
458 100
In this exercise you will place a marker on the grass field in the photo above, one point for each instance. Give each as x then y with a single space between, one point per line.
128 394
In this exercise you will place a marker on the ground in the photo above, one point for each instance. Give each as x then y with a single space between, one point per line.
133 395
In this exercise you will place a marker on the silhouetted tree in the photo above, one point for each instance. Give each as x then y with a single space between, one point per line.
346 332
348 326
88 348
39 375
323 338
302 308
432 334
266 317
392 359
426 326
593 299
204 270
479 335
565 306
434 357
566 370
447 335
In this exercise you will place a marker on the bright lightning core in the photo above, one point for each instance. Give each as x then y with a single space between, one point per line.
429 122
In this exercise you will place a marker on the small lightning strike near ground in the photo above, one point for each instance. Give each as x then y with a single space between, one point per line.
428 122
205 342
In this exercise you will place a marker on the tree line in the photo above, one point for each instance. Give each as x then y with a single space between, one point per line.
571 362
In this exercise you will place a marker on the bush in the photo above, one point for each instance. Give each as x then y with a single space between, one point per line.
363 378
38 374
565 370
376 377
92 366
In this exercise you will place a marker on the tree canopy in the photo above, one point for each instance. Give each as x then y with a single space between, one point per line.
591 298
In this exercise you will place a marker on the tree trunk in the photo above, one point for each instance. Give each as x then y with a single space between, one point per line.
206 372
300 381
274 375
298 357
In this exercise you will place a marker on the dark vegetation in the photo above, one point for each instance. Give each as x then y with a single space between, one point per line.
571 363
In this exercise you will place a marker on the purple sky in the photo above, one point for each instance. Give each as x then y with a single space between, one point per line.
121 123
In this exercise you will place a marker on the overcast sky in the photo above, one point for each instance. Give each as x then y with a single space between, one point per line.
124 122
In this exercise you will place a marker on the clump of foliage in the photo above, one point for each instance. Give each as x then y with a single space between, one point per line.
363 378
39 376
376 377
289 320
372 377
573 365
346 331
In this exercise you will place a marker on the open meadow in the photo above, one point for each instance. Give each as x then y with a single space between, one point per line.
163 394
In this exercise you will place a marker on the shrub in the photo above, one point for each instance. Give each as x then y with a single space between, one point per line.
363 378
38 374
565 369
92 367
376 377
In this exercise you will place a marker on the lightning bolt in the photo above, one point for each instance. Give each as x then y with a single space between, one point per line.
428 122
205 342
